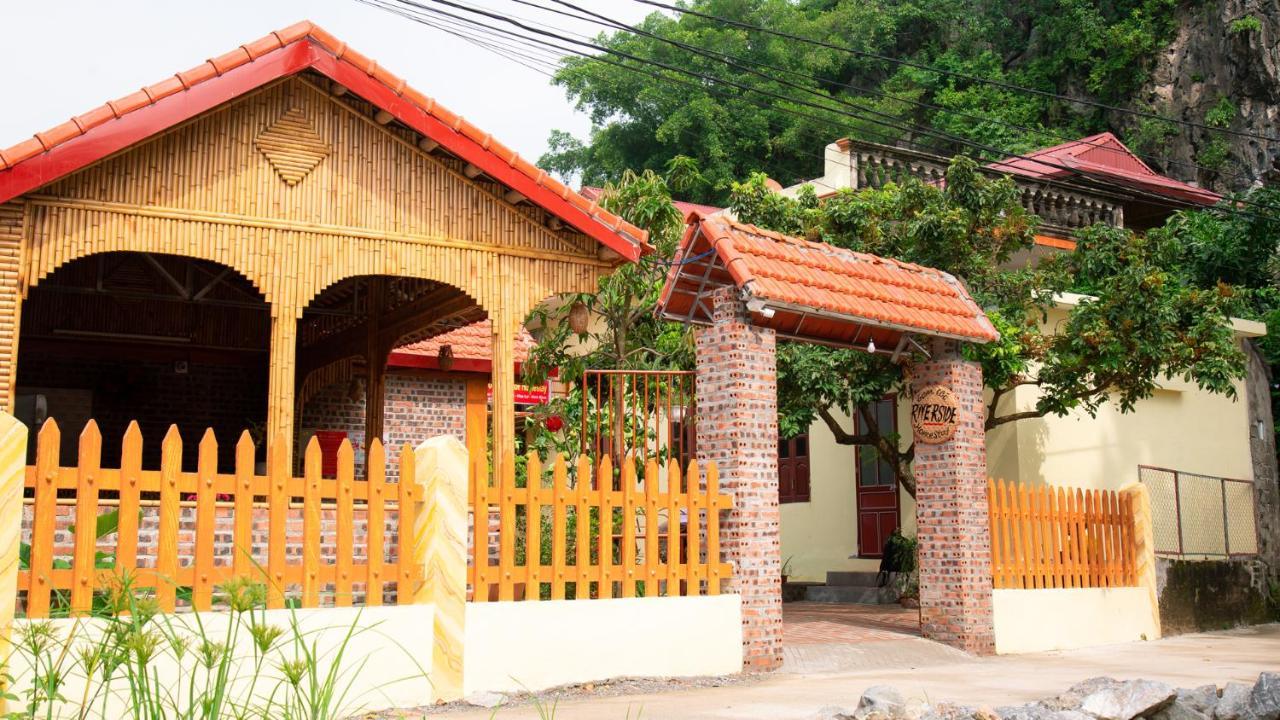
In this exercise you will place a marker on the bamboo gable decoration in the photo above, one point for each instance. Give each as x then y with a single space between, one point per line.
358 199
1056 537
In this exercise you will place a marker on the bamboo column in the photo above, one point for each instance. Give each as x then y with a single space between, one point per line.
283 359
504 391
376 359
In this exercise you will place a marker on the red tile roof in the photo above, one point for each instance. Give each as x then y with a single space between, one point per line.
121 123
816 291
1104 156
472 349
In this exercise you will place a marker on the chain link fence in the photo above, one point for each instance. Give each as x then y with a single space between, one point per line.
1200 516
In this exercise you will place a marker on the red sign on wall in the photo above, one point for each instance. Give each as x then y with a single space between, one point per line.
528 394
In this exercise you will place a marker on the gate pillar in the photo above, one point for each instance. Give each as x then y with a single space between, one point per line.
951 500
737 427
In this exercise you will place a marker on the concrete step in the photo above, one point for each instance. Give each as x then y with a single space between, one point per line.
851 594
856 579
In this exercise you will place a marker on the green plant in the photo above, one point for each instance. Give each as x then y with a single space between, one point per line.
151 666
1248 23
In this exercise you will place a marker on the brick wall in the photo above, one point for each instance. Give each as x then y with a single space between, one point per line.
738 428
417 406
224 551
951 512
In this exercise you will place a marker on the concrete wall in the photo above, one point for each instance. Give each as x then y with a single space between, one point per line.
386 661
513 646
1038 620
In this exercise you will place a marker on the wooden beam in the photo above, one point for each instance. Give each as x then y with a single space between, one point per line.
382 117
436 307
513 197
428 145
472 171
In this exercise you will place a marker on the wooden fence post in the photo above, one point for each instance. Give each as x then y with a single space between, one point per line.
440 547
1144 547
13 460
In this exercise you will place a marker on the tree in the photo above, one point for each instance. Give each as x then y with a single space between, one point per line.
643 115
1143 319
1236 252
625 333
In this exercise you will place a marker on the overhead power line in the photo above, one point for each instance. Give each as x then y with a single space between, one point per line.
485 27
732 60
952 73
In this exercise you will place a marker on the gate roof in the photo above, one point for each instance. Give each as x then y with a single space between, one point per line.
134 118
816 292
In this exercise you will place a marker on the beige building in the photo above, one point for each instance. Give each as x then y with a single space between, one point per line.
1191 447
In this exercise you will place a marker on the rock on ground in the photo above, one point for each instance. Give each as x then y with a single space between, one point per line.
1234 703
880 700
1264 699
1128 700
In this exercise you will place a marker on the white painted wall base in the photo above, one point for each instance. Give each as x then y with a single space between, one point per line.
1038 620
385 664
514 646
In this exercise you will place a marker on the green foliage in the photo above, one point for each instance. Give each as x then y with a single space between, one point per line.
116 663
1145 318
625 333
1246 24
643 121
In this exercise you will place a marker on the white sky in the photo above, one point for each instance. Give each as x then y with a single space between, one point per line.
60 58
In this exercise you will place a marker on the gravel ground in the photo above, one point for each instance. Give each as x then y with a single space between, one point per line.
608 688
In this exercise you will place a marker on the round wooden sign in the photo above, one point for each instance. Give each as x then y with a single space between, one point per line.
934 413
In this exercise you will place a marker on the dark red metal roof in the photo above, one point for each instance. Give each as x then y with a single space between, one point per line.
1102 156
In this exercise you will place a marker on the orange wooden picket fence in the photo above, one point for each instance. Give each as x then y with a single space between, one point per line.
648 532
1056 537
93 489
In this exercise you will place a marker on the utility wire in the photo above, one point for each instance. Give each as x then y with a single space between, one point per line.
604 21
886 120
952 73
480 25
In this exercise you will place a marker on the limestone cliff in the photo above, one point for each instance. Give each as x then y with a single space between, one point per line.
1221 69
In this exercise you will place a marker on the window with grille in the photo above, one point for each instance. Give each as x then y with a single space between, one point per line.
1200 516
793 469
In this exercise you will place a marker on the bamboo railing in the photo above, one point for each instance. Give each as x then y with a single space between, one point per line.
596 532
191 555
1055 537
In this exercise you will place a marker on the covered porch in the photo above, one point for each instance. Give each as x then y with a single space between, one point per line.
221 248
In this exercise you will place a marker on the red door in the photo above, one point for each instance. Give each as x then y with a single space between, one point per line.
877 488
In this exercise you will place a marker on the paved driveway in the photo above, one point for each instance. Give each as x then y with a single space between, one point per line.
1185 660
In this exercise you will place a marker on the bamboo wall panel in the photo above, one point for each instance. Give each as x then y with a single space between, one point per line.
596 531
189 572
1056 537
11 230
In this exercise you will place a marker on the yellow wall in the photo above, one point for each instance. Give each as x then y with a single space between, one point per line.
1179 427
821 535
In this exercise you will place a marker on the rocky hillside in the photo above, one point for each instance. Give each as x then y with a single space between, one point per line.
1223 70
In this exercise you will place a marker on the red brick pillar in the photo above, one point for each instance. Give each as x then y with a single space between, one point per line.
951 510
737 427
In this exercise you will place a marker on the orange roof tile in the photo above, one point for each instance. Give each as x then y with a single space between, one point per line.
89 137
817 291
